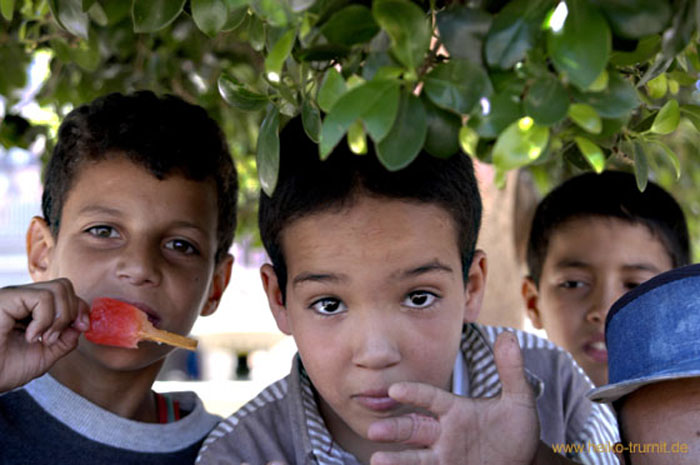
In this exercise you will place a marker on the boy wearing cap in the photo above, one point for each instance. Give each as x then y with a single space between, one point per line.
653 337
593 238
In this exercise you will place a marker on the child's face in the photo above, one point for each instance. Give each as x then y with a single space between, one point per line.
661 414
375 295
125 234
590 263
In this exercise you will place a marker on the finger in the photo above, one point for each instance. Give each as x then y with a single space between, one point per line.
66 309
509 363
404 457
41 304
82 321
413 429
422 395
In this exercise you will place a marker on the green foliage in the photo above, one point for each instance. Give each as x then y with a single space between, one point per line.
546 84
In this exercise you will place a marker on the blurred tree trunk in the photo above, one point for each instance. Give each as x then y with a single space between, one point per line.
504 233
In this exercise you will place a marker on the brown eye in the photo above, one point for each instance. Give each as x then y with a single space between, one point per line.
328 306
103 231
420 299
181 246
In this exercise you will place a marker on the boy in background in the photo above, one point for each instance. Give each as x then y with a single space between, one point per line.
653 335
139 204
376 276
593 238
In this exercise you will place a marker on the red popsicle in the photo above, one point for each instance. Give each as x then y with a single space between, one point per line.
116 323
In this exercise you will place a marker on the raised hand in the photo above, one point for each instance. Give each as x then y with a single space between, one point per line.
39 323
502 430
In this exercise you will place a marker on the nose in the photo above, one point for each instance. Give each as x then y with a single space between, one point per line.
375 343
600 306
138 264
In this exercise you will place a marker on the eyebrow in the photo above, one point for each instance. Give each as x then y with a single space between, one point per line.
572 263
310 277
99 209
431 267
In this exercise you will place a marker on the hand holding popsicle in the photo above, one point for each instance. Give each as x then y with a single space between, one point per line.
39 323
117 323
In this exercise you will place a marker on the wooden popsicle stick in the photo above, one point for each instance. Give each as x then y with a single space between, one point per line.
166 337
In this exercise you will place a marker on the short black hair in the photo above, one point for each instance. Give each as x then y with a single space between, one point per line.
610 194
308 185
165 135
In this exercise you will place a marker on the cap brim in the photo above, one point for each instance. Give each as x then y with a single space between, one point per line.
613 392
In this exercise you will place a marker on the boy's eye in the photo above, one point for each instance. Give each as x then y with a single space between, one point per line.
328 306
181 246
420 299
106 232
571 284
631 285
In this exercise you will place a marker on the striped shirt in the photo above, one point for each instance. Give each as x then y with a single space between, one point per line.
283 422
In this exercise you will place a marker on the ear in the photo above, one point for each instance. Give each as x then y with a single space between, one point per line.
476 285
40 244
274 298
531 299
221 278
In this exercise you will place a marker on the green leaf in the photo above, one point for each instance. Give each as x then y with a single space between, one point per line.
581 61
592 153
586 117
457 85
70 16
641 166
692 112
407 135
547 101
634 19
408 28
658 86
678 36
97 14
256 33
357 139
646 49
514 32
504 109
153 15
375 102
671 157
235 18
468 140
235 94
667 119
278 54
268 151
442 139
324 52
273 12
352 25
520 144
600 83
115 10
7 8
209 15
462 31
332 88
618 100
311 119
86 54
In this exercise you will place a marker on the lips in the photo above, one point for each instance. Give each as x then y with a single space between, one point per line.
150 313
596 349
376 400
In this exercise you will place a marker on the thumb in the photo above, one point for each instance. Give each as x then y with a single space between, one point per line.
510 366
